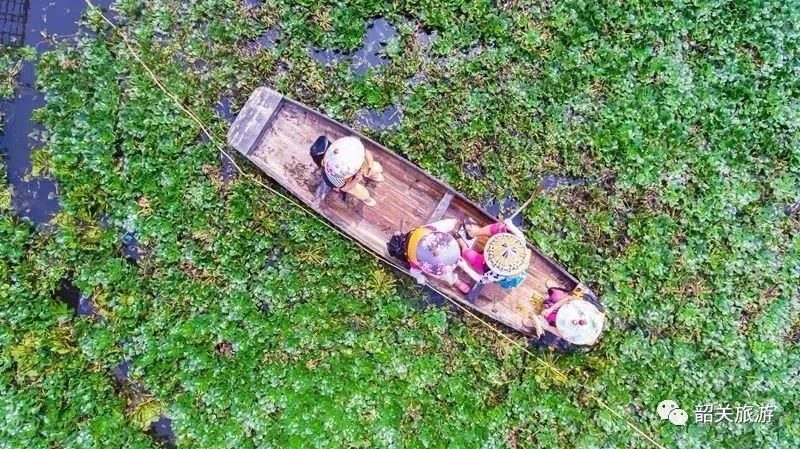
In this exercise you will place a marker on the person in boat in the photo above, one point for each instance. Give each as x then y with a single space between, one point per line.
505 257
568 319
345 163
431 250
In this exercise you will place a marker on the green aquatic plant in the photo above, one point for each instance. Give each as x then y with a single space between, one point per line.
679 119
145 412
11 59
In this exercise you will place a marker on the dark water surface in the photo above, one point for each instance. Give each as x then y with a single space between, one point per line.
70 294
130 247
379 33
376 120
35 198
161 430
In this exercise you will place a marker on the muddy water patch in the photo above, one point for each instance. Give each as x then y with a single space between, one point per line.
138 396
223 109
434 298
200 64
50 20
475 170
121 372
264 42
228 171
502 208
328 57
69 293
130 247
425 38
34 198
793 208
379 33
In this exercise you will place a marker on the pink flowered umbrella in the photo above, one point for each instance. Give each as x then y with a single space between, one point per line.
438 253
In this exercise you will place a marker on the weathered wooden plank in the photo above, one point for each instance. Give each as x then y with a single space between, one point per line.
475 292
253 119
441 208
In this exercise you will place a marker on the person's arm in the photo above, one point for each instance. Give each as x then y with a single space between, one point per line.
557 305
351 184
513 229
447 225
469 270
545 326
348 186
535 323
368 158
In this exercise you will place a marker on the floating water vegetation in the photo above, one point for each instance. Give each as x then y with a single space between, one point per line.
681 119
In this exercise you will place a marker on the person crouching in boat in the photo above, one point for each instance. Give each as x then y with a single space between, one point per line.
505 257
569 318
431 250
345 164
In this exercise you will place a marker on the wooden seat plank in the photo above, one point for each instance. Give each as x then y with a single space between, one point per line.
441 208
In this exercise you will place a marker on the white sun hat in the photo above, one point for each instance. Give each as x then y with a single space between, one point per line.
344 158
580 322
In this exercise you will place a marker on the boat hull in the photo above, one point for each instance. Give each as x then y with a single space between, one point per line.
275 133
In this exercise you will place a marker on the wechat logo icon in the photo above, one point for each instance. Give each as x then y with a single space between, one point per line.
668 409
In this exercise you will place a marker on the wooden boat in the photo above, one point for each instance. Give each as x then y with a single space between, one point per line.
275 133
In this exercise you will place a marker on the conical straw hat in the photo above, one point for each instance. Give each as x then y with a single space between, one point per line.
506 254
579 322
344 158
437 253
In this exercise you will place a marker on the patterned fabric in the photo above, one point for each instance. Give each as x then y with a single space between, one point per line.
506 254
437 253
505 282
509 283
334 181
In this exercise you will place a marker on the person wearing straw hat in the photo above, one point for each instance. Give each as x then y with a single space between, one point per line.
505 257
570 318
346 163
431 250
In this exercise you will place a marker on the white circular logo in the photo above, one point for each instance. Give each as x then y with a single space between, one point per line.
666 406
678 417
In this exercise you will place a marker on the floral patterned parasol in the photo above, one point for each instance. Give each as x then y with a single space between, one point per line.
438 253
